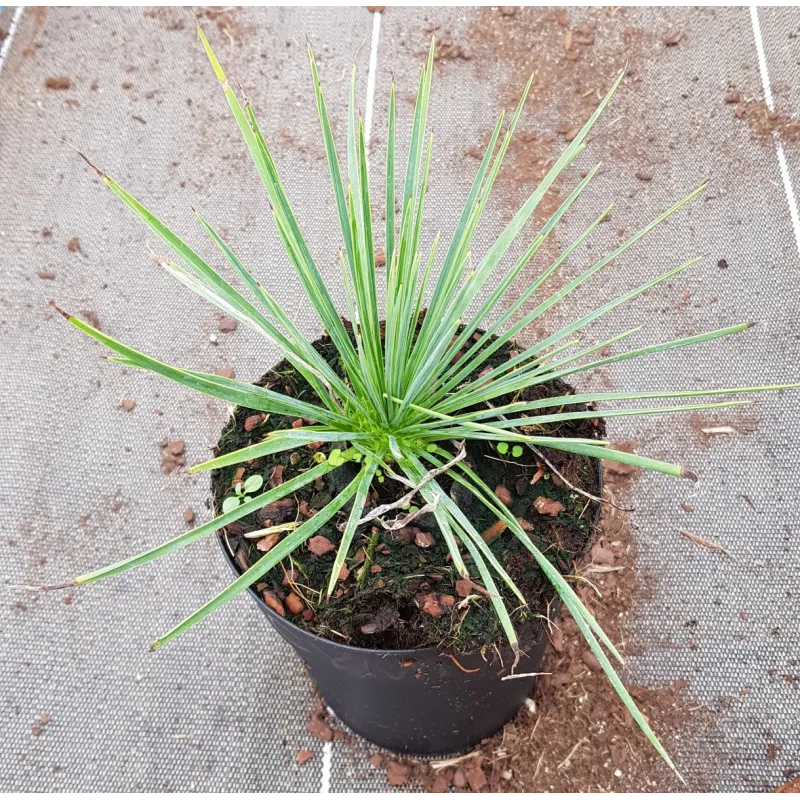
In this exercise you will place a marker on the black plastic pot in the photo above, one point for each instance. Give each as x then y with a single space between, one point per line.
415 701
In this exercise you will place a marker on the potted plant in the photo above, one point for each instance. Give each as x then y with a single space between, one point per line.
407 496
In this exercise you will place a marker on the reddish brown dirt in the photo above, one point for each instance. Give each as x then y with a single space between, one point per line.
764 123
574 64
579 737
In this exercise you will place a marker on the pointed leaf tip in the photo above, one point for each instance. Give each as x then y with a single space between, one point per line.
218 71
61 311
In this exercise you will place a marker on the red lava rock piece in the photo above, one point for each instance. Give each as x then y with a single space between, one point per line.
463 587
278 511
440 783
47 276
344 573
74 245
226 372
547 507
298 423
423 538
475 776
642 176
266 543
304 756
274 602
733 97
503 495
252 421
319 545
396 773
276 476
525 525
59 83
429 605
406 535
317 725
127 405
376 760
227 325
459 779
172 457
188 516
294 603
447 600
673 37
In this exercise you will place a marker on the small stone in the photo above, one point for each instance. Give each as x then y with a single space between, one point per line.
47 276
380 257
294 604
643 176
429 605
733 97
503 495
274 602
397 773
459 779
176 447
59 83
463 587
227 325
252 421
548 507
376 760
188 516
673 37
318 727
127 405
266 543
74 245
422 538
319 545
304 756
226 372
475 776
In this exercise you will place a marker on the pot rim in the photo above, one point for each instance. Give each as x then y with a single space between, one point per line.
277 618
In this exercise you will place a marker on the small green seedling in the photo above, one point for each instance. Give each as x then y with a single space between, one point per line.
242 492
502 448
516 451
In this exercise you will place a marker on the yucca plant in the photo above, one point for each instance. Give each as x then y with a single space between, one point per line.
403 399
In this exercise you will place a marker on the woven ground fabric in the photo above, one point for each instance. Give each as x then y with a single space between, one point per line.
225 707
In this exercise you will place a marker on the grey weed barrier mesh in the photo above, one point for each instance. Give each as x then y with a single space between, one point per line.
225 707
